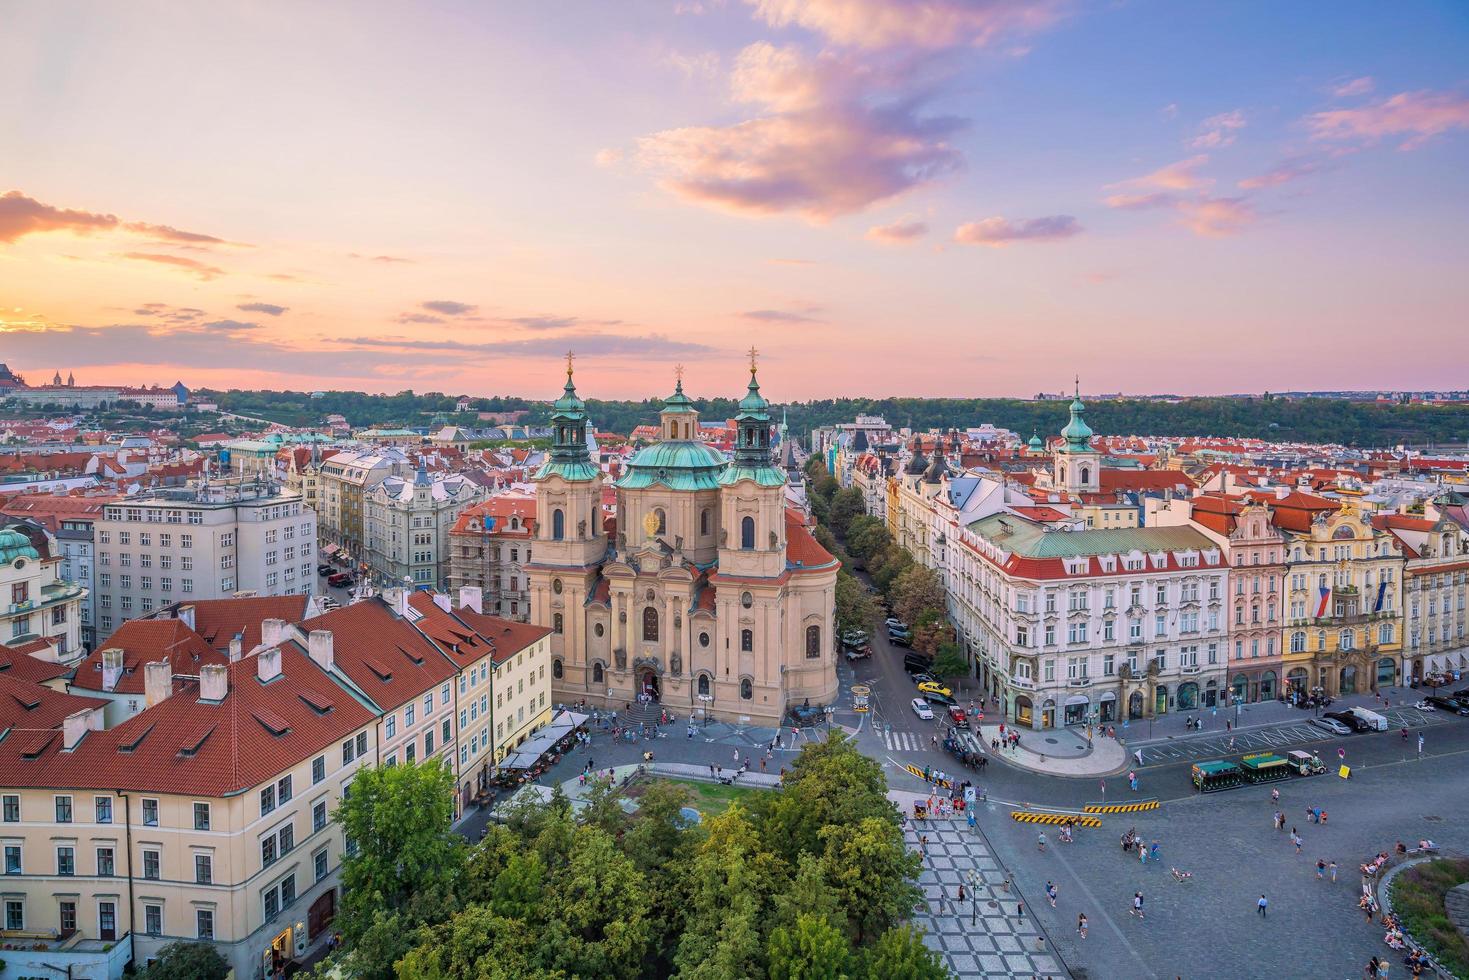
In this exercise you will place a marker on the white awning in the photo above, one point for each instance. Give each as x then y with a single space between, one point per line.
1077 699
1108 696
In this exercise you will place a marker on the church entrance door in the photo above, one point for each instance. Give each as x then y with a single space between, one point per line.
648 685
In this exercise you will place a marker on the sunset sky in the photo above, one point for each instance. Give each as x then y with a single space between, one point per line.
886 197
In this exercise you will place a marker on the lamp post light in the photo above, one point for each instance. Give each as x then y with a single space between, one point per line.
973 897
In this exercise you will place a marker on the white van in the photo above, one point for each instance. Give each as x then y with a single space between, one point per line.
1374 721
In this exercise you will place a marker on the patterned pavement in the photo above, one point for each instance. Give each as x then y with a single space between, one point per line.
1000 943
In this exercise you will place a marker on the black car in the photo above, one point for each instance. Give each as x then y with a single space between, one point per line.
323 569
1347 718
933 697
1451 705
901 639
917 665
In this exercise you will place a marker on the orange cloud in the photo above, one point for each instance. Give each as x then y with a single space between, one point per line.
1417 115
21 215
198 269
921 24
1200 212
1219 130
901 232
998 232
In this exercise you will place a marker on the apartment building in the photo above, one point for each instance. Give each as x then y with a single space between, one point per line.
39 604
1435 581
70 520
206 541
1076 626
408 524
489 547
344 480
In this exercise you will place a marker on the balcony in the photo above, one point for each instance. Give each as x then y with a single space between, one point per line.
1079 682
1189 669
1022 684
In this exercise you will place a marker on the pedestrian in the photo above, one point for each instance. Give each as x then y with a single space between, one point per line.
1132 779
1081 924
1019 910
1142 853
1320 869
1373 970
923 846
711 769
1137 904
961 896
1295 839
1262 905
934 741
1420 744
737 756
1009 878
762 763
1051 893
1274 795
1104 789
1331 867
1154 854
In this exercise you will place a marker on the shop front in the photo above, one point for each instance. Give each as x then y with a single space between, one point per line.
1267 686
1024 711
1107 707
1188 696
1077 706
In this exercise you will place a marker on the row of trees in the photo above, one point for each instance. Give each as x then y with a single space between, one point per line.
914 592
1305 419
812 881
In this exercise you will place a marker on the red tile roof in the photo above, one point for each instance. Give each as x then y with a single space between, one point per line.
218 620
144 641
25 705
508 636
802 548
1117 480
459 642
182 745
383 655
17 662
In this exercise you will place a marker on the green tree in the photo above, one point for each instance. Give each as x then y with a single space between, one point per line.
730 883
949 662
854 606
477 944
602 912
829 783
845 506
810 948
917 590
825 487
809 892
404 864
887 566
187 961
899 954
873 872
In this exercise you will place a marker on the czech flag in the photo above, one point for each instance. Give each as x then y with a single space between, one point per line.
1325 602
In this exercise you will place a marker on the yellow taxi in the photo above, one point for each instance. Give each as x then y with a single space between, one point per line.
929 687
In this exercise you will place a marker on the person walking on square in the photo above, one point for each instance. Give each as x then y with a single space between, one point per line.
1262 905
1081 924
1331 867
1320 869
959 904
1137 904
1051 893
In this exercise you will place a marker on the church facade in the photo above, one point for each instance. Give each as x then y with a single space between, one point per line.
703 590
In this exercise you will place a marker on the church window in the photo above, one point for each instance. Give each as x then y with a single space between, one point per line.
704 521
556 623
597 675
598 629
1086 475
662 520
556 669
704 685
558 524
746 600
747 533
703 639
747 690
650 623
556 586
747 641
813 642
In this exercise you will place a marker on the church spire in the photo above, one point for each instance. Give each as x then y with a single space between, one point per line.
569 422
1078 434
752 446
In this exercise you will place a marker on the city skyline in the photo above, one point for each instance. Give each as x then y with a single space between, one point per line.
994 194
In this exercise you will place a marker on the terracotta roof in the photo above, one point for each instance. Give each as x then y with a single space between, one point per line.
1295 510
802 548
1041 513
51 509
508 636
218 620
1115 480
27 705
144 641
501 508
17 662
185 746
383 655
459 642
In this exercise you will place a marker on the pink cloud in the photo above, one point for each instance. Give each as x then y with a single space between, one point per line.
998 232
825 144
1215 217
1417 115
901 232
1355 87
1220 130
21 215
1180 176
196 268
1179 188
917 24
1282 173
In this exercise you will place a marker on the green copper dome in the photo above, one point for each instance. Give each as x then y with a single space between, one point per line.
13 545
678 403
569 457
1035 442
754 405
679 465
1078 434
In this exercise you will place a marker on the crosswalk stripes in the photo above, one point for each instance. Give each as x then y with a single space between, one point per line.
902 741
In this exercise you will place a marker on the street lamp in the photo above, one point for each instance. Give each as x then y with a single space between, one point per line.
973 897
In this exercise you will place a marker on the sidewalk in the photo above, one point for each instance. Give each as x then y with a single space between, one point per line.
1058 752
1170 727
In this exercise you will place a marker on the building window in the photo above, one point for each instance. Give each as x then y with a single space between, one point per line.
12 859
704 522
747 690
747 533
747 641
63 809
203 869
558 524
204 923
703 685
153 920
318 769
201 816
152 865
68 917
556 623
15 916
12 808
66 861
319 860
556 669
650 623
662 520
105 865
597 673
318 816
813 642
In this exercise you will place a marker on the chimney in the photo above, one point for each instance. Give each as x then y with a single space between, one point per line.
186 615
111 668
268 664
157 681
322 648
214 682
407 590
74 727
441 599
390 596
1282 492
237 644
271 631
471 597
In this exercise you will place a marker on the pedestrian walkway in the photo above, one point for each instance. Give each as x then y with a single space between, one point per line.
986 935
904 741
1222 720
1059 752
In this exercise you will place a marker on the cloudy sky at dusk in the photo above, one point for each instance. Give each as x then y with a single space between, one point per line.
917 197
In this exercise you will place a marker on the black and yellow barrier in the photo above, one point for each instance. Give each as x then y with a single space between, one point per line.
1121 807
943 783
1026 816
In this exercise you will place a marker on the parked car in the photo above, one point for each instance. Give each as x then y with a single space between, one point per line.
1350 720
1331 725
1451 705
957 716
323 569
934 687
339 580
924 678
859 653
894 623
934 697
922 710
901 639
854 638
916 665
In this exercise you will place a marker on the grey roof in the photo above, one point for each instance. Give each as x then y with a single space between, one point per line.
1023 537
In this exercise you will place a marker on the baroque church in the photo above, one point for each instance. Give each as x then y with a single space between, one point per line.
702 591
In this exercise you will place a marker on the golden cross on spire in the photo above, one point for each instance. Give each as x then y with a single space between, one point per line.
569 358
678 372
753 355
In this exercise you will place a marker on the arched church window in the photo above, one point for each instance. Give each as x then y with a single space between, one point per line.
662 520
704 521
650 623
813 642
747 690
747 533
556 669
558 524
597 674
556 623
704 685
1086 475
747 641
